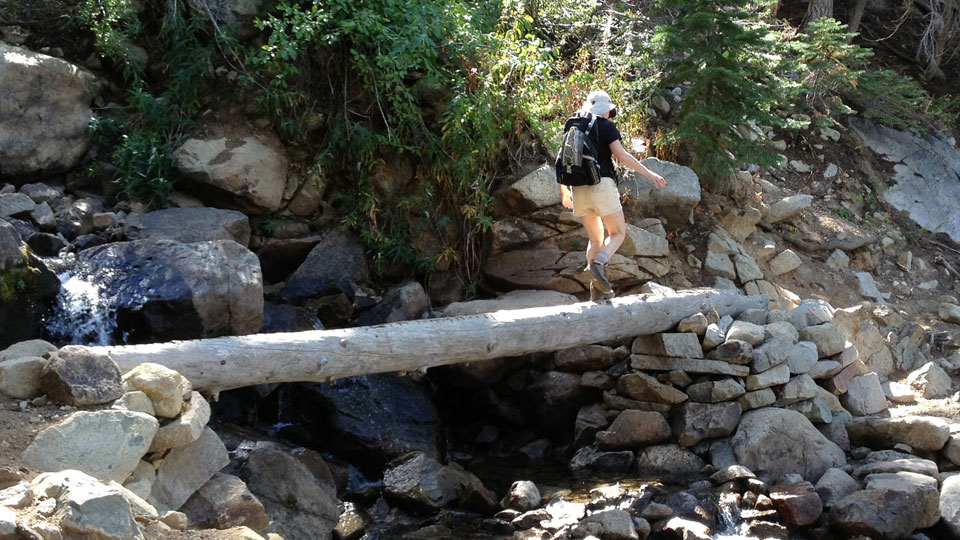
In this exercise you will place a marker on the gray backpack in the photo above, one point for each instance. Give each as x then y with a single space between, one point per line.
577 163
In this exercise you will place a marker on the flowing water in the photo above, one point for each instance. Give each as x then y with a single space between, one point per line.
83 314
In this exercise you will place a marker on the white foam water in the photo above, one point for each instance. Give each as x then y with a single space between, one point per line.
735 528
83 315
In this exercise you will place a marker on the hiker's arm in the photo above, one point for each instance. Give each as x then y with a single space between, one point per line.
633 163
566 196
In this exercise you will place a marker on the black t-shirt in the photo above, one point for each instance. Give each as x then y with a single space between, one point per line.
607 133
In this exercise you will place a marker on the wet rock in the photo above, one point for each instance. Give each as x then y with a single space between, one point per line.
772 442
79 377
421 483
190 225
225 502
555 397
104 444
920 432
878 513
374 417
165 290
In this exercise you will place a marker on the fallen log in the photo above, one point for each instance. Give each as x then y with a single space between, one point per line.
223 363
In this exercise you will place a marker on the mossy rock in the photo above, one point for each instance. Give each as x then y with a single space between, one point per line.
27 292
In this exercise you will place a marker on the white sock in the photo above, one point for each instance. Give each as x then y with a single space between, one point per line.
601 258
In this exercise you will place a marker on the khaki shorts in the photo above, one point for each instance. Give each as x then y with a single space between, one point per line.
602 199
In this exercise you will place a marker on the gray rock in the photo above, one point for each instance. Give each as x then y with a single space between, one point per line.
15 204
924 164
668 461
741 222
585 358
184 429
919 432
20 377
190 225
810 312
79 377
719 264
930 381
838 261
521 299
715 391
225 502
949 312
689 365
336 263
878 513
614 524
776 375
674 202
922 488
747 269
757 399
828 339
788 207
950 505
745 331
733 351
105 444
643 387
696 323
712 337
47 112
864 396
799 388
589 459
532 192
640 243
868 287
835 484
786 261
682 345
523 496
815 410
781 329
87 508
892 461
300 499
772 353
802 357
633 429
772 442
186 468
693 422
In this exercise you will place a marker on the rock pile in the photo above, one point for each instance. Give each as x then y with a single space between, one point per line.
149 460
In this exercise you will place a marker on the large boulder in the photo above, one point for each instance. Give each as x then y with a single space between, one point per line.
163 290
772 442
27 288
247 172
532 192
674 202
373 417
44 114
190 225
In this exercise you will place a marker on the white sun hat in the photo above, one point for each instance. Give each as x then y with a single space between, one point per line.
598 102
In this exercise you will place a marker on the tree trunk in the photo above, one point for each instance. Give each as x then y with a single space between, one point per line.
817 9
223 363
854 25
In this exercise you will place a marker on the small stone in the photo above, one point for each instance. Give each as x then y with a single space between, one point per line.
838 260
786 261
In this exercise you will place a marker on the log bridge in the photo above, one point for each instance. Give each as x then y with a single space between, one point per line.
223 363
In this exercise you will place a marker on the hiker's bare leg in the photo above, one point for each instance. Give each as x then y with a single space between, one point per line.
616 231
594 227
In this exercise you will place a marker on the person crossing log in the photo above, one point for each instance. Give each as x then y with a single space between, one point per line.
217 364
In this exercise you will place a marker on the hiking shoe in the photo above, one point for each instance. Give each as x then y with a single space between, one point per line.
599 271
597 296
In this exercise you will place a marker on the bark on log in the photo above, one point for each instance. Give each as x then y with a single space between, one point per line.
223 363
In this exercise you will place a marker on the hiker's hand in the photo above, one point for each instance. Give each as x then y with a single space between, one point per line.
566 200
656 179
